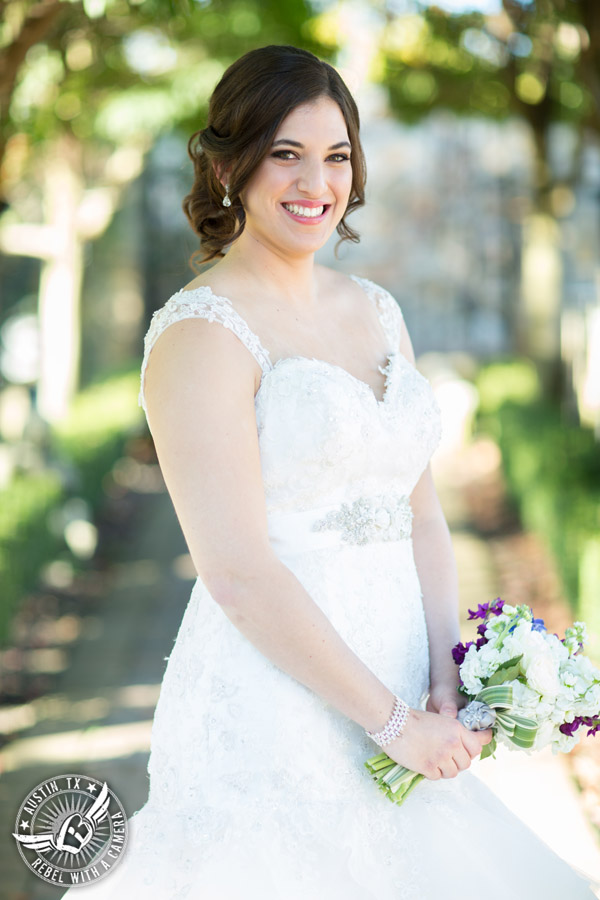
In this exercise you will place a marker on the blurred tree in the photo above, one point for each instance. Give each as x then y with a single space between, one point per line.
537 60
86 86
540 61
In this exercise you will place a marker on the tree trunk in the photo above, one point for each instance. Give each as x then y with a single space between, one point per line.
60 283
541 296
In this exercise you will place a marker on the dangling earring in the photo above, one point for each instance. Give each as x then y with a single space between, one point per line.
226 200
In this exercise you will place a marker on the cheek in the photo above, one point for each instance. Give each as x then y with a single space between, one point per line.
344 179
343 186
265 188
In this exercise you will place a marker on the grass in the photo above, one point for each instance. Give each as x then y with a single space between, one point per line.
552 469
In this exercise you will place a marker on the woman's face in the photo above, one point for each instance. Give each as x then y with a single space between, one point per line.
300 191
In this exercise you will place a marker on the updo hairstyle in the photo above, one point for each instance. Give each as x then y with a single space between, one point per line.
246 108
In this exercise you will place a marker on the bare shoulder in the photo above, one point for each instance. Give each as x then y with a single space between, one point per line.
196 356
221 280
406 347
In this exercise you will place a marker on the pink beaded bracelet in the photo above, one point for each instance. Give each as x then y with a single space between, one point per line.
394 725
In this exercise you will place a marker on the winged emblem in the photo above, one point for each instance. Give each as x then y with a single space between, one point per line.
75 832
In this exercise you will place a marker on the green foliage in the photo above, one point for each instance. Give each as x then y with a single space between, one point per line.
129 69
90 441
514 381
534 62
25 539
93 435
508 671
552 470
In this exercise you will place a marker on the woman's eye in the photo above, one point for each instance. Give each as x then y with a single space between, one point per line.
291 154
284 154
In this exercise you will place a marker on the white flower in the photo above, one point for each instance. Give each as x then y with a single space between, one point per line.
472 671
563 743
527 642
589 703
557 648
525 697
545 735
565 704
542 675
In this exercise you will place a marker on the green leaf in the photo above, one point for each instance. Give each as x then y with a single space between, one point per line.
508 671
489 749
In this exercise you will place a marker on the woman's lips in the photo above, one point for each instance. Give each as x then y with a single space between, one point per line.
305 213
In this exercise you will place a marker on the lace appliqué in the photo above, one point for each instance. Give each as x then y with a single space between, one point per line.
200 303
370 519
390 314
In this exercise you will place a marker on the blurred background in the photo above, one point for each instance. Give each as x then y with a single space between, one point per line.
481 127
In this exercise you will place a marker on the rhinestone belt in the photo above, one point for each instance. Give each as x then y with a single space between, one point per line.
380 518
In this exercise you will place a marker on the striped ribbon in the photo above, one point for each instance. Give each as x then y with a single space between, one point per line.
397 781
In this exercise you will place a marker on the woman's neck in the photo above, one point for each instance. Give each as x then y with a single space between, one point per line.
289 278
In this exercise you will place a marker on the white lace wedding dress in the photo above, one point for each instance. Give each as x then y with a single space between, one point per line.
257 786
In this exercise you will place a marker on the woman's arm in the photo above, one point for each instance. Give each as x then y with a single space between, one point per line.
200 386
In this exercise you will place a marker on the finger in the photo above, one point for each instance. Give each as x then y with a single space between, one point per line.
486 736
449 769
449 708
473 743
462 759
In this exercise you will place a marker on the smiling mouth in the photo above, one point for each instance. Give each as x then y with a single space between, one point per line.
306 212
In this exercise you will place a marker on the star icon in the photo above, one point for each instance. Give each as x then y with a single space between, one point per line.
24 824
92 787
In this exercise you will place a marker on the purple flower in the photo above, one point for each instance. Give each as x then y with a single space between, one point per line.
481 642
480 612
497 606
538 625
593 725
484 609
460 651
569 728
481 629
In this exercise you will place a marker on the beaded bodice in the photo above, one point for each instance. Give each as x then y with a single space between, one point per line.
325 439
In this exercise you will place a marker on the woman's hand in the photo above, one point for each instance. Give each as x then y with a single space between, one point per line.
437 746
445 699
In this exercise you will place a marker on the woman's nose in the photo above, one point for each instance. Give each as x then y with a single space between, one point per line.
312 179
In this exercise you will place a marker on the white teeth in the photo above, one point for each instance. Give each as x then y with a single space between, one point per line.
309 212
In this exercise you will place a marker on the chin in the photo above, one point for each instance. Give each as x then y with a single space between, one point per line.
307 244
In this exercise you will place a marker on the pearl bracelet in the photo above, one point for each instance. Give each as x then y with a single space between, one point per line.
394 725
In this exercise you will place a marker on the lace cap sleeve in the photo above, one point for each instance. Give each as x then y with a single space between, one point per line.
200 303
390 314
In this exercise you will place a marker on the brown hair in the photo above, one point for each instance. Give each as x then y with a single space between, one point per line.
246 108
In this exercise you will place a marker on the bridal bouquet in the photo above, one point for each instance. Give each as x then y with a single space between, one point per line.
529 686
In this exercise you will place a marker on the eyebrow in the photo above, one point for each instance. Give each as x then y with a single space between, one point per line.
298 144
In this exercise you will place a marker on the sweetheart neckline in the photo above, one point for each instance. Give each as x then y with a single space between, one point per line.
386 370
299 357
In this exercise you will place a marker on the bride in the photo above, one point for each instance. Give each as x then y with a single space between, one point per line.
294 435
